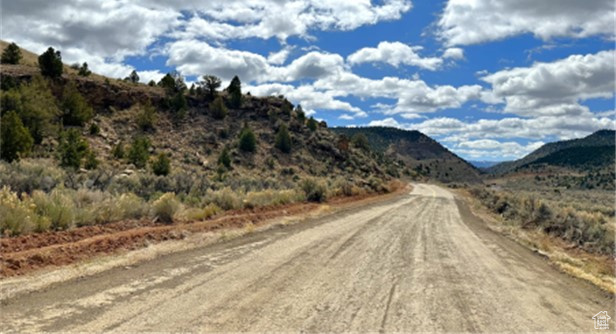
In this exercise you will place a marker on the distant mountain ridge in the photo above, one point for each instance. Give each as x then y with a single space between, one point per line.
595 151
419 152
481 164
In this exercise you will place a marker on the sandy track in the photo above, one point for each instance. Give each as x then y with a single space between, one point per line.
414 263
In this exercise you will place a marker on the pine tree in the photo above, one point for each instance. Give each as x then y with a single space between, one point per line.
50 63
15 140
235 92
73 148
11 55
35 105
248 141
75 109
283 139
133 77
139 152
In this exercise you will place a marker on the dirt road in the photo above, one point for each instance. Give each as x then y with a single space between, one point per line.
419 262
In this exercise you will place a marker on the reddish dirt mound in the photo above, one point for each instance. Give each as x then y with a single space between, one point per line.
30 252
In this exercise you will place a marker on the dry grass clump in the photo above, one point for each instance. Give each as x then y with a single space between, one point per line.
166 208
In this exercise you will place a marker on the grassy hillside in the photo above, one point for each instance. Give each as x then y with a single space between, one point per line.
105 150
419 152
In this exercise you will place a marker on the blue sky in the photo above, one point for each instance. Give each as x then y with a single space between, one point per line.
491 80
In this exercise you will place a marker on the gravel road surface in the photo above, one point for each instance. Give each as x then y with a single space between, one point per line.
418 262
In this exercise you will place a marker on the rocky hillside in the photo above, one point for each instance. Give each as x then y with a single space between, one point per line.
422 154
592 153
194 142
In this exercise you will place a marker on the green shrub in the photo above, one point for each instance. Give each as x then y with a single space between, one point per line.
118 151
218 109
248 141
225 198
312 124
15 140
166 207
360 141
50 63
91 160
11 55
57 206
300 114
72 149
17 215
315 191
162 165
224 159
35 105
94 129
139 152
146 117
75 109
178 106
283 139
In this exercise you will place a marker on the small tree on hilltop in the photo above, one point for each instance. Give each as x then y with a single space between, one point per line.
235 92
15 140
211 84
312 124
133 77
162 165
84 71
218 108
248 141
283 139
300 114
50 63
11 55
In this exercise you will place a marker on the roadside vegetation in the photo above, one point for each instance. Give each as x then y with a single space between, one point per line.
77 149
575 218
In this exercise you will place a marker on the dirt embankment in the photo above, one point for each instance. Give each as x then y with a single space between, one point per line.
24 254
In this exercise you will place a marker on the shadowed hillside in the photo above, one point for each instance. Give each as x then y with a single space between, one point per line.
419 152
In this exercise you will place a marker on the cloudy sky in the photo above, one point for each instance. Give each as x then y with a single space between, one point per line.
490 79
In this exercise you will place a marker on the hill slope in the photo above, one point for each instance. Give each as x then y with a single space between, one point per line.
96 139
595 151
418 151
